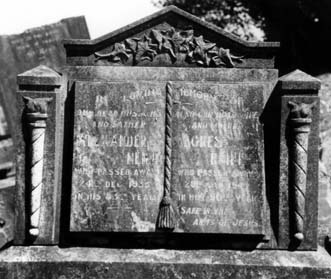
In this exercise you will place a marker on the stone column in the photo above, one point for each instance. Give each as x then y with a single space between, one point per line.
36 116
299 130
39 155
299 156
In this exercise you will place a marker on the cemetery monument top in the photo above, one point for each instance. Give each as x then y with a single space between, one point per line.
171 37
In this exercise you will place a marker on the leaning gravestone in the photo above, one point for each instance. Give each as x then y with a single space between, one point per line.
325 163
41 45
168 133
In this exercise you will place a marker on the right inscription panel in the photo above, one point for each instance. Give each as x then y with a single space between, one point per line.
217 178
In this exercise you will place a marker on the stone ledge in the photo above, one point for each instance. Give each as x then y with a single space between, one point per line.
65 263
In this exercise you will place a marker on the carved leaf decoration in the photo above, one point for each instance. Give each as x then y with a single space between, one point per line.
227 58
169 48
118 54
187 34
200 55
203 44
180 40
197 56
171 41
120 51
163 43
131 44
158 38
35 105
145 50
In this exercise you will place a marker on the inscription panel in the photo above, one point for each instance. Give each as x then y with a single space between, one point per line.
118 156
217 183
218 180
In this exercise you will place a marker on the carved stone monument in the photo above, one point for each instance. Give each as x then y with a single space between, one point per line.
176 139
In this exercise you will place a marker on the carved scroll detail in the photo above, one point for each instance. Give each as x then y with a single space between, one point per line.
165 219
299 129
195 49
35 115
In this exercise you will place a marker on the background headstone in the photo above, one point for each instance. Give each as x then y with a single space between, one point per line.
21 52
324 217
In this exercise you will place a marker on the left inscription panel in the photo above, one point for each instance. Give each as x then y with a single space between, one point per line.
118 158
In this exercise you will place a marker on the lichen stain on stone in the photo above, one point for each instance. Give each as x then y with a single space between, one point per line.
324 206
286 261
140 225
171 272
164 254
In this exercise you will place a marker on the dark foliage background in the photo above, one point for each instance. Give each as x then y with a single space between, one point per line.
302 26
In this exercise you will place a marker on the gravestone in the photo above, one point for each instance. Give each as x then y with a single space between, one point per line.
324 183
177 139
21 52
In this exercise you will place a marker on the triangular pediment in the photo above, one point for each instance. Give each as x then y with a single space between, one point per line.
171 37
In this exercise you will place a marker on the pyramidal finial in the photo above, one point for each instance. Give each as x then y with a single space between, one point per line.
299 80
40 75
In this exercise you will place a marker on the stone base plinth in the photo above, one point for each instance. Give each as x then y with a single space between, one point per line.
72 263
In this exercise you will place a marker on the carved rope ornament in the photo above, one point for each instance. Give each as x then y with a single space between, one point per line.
195 49
165 219
36 115
299 129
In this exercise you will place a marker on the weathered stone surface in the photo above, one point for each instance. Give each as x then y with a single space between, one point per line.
324 205
7 209
324 196
3 123
40 76
41 45
325 120
74 263
6 155
118 156
218 175
298 80
39 151
298 177
217 162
